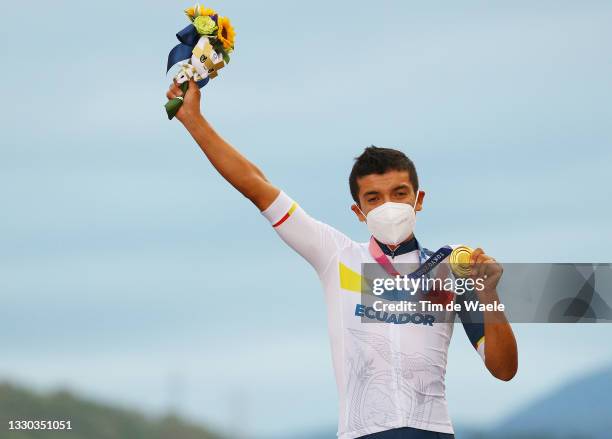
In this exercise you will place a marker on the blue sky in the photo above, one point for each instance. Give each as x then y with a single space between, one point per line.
131 272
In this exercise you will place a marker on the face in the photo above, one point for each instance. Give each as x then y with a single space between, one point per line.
377 189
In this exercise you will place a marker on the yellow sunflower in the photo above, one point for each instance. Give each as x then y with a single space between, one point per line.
197 10
226 33
190 12
205 11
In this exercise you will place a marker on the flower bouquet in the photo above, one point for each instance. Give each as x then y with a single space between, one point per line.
205 45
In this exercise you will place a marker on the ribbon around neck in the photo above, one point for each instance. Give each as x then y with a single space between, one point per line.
422 270
188 38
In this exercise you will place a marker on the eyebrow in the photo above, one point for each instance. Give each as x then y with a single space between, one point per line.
399 186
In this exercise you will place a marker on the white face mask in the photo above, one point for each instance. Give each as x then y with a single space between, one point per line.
392 223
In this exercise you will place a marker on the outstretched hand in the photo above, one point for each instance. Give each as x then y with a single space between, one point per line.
191 101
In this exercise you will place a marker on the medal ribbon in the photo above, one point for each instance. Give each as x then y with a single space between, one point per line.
423 269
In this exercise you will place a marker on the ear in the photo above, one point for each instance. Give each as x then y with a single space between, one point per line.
419 203
357 212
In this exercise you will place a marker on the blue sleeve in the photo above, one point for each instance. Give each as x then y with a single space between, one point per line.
473 323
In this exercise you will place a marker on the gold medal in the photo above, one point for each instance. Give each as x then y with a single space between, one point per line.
460 261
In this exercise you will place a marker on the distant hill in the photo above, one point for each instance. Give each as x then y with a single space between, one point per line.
580 409
89 420
322 433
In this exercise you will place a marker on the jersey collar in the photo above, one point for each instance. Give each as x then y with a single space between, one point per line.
405 247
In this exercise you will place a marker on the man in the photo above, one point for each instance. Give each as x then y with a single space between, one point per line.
390 376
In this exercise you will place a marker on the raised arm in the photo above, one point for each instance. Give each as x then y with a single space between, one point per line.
227 160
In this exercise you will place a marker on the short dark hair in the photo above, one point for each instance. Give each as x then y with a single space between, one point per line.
375 160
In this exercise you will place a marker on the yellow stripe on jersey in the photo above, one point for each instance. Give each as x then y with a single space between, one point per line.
349 280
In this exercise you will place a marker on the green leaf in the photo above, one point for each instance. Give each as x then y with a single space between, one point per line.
172 107
218 46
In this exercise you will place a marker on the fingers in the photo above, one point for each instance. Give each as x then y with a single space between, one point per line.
174 91
483 265
193 88
476 254
478 261
473 258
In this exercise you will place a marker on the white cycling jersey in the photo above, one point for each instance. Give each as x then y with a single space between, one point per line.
390 374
